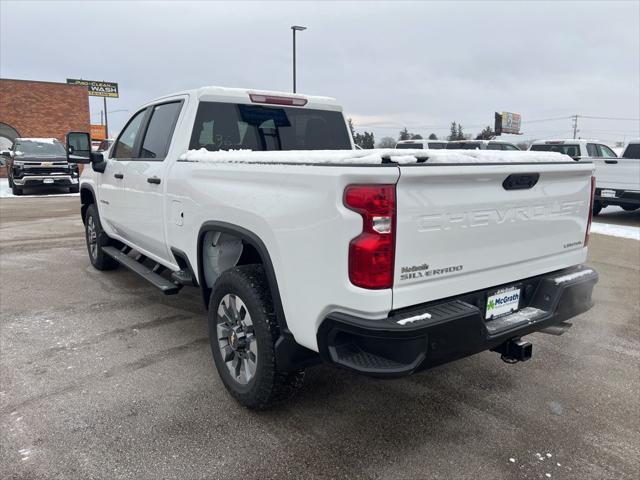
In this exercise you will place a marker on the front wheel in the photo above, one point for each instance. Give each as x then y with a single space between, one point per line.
74 189
96 239
243 331
629 208
16 190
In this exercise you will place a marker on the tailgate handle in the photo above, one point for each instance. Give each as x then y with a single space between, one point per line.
520 181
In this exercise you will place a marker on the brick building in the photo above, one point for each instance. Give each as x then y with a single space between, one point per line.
41 109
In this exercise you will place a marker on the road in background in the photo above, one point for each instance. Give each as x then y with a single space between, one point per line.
104 377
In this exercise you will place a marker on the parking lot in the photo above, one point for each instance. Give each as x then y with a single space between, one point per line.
104 377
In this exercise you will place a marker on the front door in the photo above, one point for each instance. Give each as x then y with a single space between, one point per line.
145 181
111 181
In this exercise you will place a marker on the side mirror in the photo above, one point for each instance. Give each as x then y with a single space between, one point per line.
78 147
5 153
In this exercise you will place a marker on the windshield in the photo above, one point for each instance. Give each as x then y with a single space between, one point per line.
229 126
39 149
632 151
464 146
410 145
567 149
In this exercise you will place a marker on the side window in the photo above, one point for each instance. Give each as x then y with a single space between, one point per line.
606 152
160 130
508 146
592 150
494 146
127 139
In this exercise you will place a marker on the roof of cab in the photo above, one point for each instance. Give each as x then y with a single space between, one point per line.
241 95
563 140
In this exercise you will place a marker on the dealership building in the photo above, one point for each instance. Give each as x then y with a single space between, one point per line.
41 109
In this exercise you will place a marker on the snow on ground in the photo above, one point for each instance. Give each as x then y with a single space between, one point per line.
5 191
623 231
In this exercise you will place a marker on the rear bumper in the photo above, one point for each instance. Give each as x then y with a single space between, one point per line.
453 328
623 197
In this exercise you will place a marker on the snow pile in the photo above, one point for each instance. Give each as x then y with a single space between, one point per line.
622 231
368 157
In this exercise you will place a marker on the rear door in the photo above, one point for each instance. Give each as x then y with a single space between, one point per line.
145 178
459 229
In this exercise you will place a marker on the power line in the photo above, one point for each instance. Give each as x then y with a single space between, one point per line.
612 118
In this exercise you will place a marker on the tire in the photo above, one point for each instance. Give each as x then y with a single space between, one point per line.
597 207
243 325
74 189
16 190
9 179
96 239
629 208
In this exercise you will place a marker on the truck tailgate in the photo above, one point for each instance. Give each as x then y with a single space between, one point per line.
459 229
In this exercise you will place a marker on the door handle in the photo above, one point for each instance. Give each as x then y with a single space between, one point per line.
118 175
154 180
611 161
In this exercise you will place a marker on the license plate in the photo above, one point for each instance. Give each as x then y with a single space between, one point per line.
48 180
502 302
608 193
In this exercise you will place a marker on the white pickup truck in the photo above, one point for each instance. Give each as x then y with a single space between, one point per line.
384 262
617 178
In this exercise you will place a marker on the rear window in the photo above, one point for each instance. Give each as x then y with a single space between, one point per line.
464 146
410 145
229 126
437 145
567 149
632 151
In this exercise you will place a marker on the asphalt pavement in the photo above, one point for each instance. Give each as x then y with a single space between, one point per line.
103 377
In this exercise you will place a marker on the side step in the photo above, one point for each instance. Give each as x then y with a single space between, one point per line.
166 286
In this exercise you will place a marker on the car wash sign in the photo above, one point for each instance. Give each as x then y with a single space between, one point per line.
97 89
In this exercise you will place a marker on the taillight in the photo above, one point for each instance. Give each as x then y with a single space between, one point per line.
372 253
593 194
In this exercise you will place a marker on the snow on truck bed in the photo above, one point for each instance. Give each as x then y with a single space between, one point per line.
368 157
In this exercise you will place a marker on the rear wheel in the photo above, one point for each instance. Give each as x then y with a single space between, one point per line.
243 331
96 239
74 189
16 190
597 207
629 208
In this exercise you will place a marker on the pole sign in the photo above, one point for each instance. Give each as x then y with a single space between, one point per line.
98 132
97 89
510 123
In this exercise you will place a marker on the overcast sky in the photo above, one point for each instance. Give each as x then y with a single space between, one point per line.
391 64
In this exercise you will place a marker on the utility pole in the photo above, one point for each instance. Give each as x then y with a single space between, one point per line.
106 122
295 28
575 125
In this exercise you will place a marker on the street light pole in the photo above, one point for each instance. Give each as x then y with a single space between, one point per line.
295 28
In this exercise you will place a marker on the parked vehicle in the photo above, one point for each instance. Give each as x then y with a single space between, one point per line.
369 260
481 145
617 179
422 144
39 162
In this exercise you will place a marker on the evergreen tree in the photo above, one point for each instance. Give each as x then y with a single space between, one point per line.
416 137
351 128
486 134
433 136
453 133
404 134
460 133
